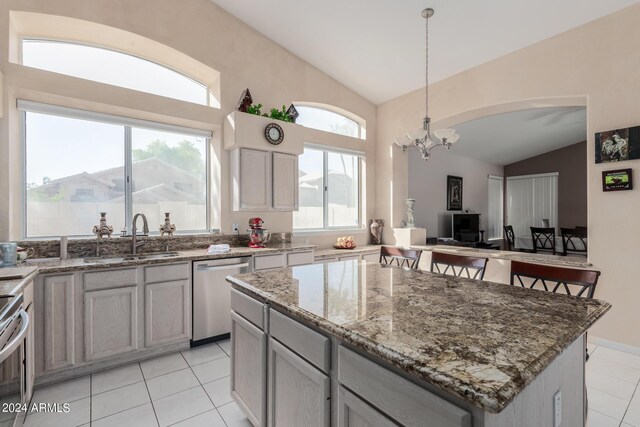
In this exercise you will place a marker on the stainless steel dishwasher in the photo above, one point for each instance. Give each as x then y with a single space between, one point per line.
211 297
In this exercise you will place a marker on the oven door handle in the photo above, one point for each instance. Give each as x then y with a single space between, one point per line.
8 349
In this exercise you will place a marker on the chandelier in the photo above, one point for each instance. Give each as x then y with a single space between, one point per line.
423 139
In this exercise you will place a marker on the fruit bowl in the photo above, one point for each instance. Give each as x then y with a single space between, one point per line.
345 243
337 246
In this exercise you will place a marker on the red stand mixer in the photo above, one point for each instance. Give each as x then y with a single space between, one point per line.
258 236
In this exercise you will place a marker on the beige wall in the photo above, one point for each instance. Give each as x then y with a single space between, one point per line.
594 65
206 33
428 185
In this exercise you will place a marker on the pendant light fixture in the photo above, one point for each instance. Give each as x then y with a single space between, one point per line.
424 140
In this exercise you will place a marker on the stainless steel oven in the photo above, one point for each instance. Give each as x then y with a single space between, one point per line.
14 323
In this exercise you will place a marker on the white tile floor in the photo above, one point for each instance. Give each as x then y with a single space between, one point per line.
186 389
191 389
612 387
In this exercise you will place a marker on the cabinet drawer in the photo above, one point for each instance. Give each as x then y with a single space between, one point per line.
110 279
269 261
350 257
300 258
402 400
166 273
306 342
374 257
248 308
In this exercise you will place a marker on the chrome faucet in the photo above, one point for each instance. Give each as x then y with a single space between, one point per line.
134 237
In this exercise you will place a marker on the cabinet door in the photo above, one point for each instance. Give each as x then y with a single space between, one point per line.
354 412
285 182
298 392
253 181
167 312
249 369
59 322
110 322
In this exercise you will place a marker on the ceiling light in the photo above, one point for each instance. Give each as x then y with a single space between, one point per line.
425 141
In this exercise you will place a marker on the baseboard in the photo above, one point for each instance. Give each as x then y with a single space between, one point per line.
614 345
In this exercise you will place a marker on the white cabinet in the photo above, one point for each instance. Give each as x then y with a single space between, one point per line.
263 180
167 312
298 392
250 179
110 322
58 321
285 181
249 368
355 412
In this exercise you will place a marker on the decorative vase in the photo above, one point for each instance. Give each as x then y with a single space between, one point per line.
103 229
411 203
375 231
167 227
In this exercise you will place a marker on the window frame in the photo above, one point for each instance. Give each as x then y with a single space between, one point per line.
208 90
325 149
362 124
501 179
127 123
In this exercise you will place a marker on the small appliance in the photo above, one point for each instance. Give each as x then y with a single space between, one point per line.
258 236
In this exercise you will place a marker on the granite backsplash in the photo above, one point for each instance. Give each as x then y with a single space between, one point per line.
83 248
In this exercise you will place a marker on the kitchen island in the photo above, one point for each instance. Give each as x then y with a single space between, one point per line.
357 343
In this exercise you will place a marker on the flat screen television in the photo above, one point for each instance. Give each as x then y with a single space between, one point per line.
466 227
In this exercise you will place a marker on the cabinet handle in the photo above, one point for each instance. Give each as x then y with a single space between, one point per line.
221 267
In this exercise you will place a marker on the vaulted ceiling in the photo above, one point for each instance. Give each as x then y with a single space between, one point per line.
376 47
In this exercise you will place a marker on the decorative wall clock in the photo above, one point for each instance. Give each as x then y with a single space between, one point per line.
274 133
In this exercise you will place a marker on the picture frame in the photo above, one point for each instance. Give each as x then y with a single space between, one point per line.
617 145
454 193
617 180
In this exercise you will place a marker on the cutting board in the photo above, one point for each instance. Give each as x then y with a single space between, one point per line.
11 273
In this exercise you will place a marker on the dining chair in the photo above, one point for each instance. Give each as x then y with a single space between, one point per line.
574 241
543 239
391 255
445 263
510 237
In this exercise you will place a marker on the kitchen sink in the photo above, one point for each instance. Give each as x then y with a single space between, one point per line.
113 259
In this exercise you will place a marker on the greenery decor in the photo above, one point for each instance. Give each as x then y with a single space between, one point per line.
274 113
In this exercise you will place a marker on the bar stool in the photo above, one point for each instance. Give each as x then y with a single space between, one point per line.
466 265
391 255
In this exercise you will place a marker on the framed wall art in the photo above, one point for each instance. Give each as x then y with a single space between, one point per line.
618 145
617 180
454 193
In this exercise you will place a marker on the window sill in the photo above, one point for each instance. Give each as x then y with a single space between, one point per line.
325 232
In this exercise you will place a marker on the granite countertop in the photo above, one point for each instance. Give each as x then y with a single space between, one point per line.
563 261
56 265
10 287
481 341
333 252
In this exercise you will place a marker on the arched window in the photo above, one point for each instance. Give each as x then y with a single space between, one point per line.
322 117
114 68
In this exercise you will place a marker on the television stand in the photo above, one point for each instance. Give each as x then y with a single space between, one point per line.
479 245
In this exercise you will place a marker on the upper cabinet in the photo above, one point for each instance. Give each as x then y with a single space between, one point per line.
243 130
264 174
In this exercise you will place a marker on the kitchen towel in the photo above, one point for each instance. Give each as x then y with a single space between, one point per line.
218 249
